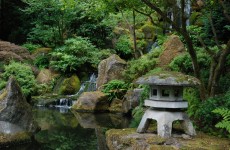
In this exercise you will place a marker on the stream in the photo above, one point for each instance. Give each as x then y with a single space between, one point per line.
66 130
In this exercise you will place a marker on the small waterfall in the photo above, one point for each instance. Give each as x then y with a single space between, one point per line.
87 86
187 11
175 16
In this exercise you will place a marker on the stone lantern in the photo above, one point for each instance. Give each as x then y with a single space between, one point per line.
166 102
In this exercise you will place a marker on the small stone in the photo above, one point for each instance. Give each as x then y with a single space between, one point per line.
186 137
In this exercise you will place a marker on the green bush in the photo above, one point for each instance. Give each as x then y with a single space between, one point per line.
23 74
205 118
115 89
137 114
42 61
31 47
76 53
123 46
139 67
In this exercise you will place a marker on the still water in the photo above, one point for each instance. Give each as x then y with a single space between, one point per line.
66 130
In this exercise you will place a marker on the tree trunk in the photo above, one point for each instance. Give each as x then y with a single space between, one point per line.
183 31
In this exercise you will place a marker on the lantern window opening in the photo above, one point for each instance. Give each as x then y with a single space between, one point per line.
165 92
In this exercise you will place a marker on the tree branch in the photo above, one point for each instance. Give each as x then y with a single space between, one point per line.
224 10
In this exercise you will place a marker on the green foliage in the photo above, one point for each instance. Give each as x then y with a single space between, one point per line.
204 117
115 89
76 53
31 47
137 114
52 20
139 67
42 61
123 45
183 63
225 123
144 94
23 74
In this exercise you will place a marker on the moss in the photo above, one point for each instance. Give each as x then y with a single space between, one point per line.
128 138
42 50
70 85
148 31
17 138
3 94
179 77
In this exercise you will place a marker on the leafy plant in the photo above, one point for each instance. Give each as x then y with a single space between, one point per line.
139 67
123 45
23 74
225 123
204 117
115 89
75 53
42 61
31 47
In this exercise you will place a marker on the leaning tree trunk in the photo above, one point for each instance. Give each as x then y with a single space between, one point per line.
216 70
183 31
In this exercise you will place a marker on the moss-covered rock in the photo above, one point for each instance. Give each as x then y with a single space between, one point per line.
15 109
148 31
123 139
172 47
92 102
14 139
45 76
70 85
110 69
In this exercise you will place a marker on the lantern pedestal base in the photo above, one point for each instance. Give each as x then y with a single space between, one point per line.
164 122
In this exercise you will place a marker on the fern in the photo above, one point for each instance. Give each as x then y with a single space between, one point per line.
225 123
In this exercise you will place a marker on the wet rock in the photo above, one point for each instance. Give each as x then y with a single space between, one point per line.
172 48
110 69
92 102
14 107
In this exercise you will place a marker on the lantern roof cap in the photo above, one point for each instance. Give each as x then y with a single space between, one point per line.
168 78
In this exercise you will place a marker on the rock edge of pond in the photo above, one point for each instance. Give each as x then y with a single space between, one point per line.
120 139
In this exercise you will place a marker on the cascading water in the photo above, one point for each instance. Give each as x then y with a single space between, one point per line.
87 86
174 14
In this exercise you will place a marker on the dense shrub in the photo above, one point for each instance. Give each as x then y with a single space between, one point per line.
42 61
76 53
31 47
123 46
115 89
139 67
23 74
205 118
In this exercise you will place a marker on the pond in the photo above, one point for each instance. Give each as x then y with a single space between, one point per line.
66 130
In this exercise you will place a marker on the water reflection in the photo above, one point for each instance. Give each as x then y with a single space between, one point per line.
72 131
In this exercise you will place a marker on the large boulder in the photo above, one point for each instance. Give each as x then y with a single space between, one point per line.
172 48
128 103
131 99
70 85
92 102
45 76
14 107
9 51
110 69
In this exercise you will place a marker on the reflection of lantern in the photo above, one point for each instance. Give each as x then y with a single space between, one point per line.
166 101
